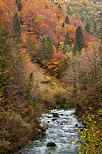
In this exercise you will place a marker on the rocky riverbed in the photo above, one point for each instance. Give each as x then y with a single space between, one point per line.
61 136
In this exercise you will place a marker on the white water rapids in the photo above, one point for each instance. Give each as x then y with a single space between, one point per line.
62 130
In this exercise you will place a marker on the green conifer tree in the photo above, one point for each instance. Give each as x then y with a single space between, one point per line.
67 40
46 48
4 50
19 4
16 25
69 12
79 44
59 6
67 20
63 24
31 48
87 27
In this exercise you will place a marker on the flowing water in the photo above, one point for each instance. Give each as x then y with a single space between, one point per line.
63 130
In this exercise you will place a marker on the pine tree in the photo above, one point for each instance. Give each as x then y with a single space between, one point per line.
4 48
59 6
69 12
79 44
16 25
19 5
63 24
87 27
31 49
67 40
46 48
67 20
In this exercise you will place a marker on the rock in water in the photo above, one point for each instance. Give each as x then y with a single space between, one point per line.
51 144
55 115
76 125
53 119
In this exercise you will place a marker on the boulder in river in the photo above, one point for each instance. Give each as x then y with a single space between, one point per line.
55 115
53 119
44 127
61 123
51 144
76 125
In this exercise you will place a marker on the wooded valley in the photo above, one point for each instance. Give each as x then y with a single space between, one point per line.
50 57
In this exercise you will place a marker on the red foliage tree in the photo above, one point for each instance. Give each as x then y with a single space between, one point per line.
55 64
87 38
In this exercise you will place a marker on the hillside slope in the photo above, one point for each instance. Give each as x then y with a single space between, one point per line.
44 86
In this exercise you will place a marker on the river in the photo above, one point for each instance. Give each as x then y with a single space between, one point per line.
62 130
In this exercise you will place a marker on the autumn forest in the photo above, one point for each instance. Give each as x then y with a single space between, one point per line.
50 58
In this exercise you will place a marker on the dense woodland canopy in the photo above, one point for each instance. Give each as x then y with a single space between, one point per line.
50 56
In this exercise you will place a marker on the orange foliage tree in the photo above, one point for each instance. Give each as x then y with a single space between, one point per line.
71 30
87 38
55 64
41 18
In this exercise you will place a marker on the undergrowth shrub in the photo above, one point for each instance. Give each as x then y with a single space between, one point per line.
91 137
61 96
14 131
